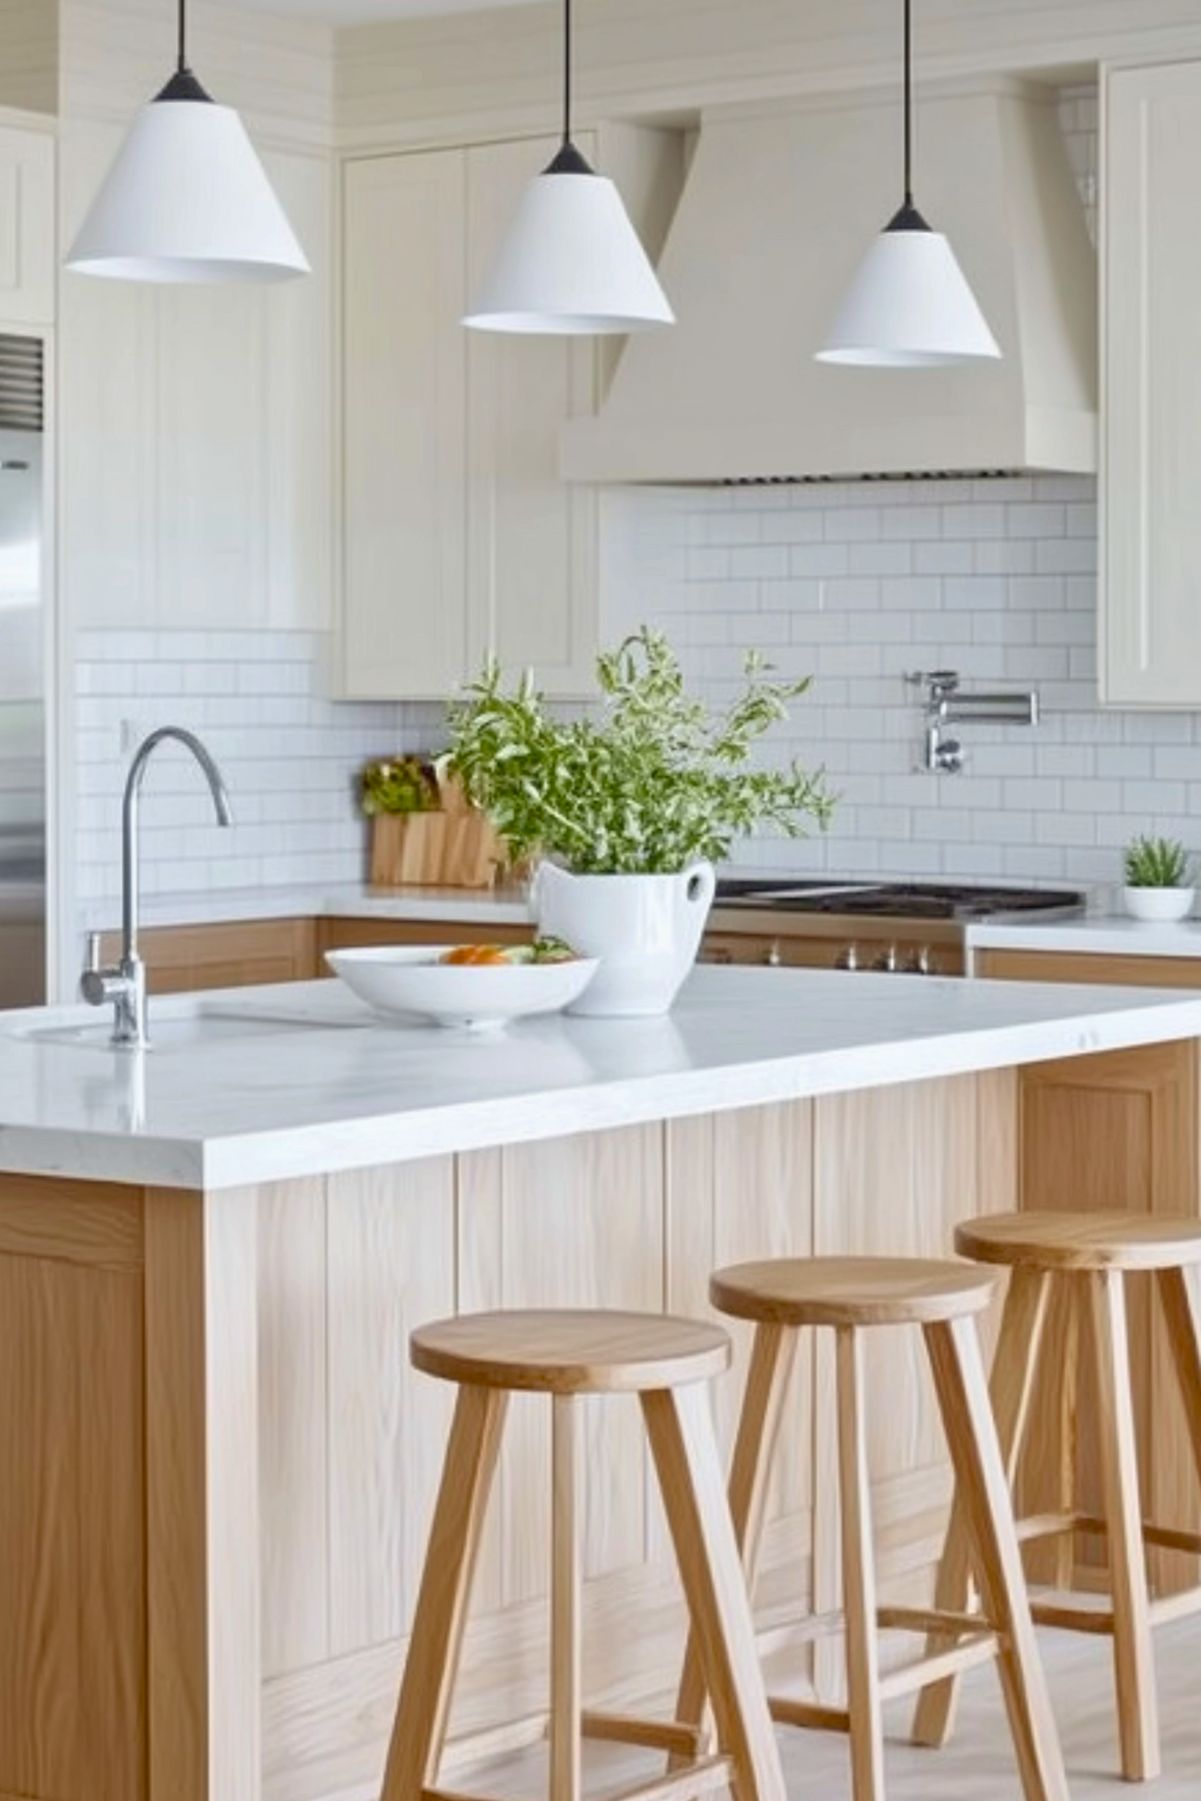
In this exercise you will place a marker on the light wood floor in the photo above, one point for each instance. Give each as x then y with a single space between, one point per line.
977 1765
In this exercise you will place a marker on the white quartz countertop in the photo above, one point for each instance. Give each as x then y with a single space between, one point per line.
264 1084
1101 934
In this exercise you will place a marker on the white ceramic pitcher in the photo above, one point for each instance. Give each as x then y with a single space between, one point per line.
646 930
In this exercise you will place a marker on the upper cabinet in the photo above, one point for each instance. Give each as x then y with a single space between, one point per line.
196 429
27 264
1150 637
458 537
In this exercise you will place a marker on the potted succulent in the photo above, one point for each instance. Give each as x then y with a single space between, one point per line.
630 806
1158 880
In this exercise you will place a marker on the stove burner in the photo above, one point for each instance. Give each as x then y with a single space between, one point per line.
894 900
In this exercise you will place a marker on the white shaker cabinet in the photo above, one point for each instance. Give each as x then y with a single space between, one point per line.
458 537
27 225
1150 633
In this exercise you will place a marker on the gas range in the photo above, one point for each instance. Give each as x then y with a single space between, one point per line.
909 927
897 900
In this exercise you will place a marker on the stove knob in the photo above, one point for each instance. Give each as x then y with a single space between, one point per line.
920 963
887 961
772 956
847 958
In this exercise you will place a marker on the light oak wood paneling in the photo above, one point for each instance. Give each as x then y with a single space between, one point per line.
293 1401
391 1261
238 954
90 1223
345 934
72 1546
1087 966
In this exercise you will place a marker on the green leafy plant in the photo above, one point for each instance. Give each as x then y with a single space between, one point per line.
650 783
398 785
1156 863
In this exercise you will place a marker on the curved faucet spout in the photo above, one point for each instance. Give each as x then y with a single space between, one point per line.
125 986
130 858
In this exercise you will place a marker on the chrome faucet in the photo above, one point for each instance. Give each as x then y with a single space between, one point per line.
125 984
948 704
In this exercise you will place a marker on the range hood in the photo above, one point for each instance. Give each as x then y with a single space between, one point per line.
779 207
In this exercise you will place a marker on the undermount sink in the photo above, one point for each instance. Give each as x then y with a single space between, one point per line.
184 1032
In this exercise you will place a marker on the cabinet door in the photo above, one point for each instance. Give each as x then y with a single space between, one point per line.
27 223
404 617
1151 534
531 553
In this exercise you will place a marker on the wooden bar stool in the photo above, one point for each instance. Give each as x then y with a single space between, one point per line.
852 1295
667 1362
1077 1263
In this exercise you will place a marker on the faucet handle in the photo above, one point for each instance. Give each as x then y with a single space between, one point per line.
91 958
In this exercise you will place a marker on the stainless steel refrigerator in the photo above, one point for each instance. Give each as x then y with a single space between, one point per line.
22 677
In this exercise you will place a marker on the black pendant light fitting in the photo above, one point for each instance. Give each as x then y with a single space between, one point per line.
183 85
907 217
567 160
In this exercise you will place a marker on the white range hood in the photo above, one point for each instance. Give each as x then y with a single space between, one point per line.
779 206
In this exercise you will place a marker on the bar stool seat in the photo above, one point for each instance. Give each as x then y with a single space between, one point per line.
1069 1274
563 1352
851 1291
566 1354
854 1295
1066 1241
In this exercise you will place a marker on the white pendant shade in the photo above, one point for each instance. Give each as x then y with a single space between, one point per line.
909 307
570 264
187 200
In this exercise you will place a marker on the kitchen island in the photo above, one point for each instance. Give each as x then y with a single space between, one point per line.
220 1465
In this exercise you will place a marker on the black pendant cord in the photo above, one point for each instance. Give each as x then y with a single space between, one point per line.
908 103
182 61
567 159
183 85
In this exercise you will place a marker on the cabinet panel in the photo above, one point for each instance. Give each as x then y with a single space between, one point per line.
345 934
187 959
1151 536
404 620
531 539
27 220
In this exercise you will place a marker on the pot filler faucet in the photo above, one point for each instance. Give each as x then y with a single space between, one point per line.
125 985
948 704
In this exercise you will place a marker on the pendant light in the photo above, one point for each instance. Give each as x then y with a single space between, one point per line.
570 264
187 199
909 305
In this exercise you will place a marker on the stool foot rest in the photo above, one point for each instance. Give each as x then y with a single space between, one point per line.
810 1714
673 1736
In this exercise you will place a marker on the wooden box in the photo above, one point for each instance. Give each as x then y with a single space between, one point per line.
453 847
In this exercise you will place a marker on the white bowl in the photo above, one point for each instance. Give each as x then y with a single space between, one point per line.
1159 905
408 979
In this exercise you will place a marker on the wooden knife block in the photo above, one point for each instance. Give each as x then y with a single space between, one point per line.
452 847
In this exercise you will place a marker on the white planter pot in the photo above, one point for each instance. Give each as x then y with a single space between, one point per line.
1159 905
645 929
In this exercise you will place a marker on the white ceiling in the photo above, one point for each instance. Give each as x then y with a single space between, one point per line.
357 12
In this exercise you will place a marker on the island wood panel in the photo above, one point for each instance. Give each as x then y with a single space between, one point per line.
294 1469
73 1704
349 934
1103 968
1118 1130
895 1169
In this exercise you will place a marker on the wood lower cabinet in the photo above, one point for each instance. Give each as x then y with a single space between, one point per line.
1119 1130
236 954
346 934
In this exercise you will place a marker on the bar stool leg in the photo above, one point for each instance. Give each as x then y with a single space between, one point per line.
1138 1726
858 1574
565 1704
419 1732
1014 1368
772 1356
680 1428
954 1351
1184 1337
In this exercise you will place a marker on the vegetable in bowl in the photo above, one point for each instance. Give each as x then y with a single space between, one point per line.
542 950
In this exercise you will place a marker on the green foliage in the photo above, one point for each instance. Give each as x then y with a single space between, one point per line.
1156 863
651 783
398 785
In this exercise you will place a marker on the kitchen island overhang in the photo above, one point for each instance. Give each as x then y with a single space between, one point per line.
222 1466
277 1083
